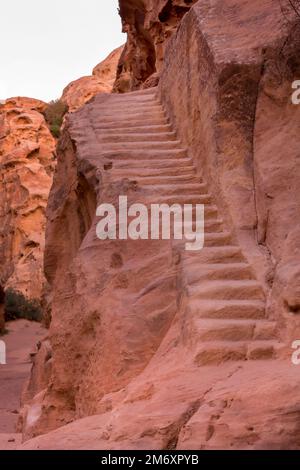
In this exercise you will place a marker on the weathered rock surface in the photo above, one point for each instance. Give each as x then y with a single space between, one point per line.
149 25
180 407
27 161
237 118
152 346
77 93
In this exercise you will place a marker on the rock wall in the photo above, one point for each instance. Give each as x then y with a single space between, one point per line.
77 93
232 103
27 162
149 24
119 296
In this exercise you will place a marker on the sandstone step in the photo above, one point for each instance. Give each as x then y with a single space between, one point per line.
160 179
121 108
166 164
210 211
130 114
141 129
181 190
216 254
141 155
222 351
165 197
113 123
213 225
143 146
212 239
128 102
135 137
260 350
235 330
148 176
150 185
125 104
189 199
228 309
219 352
144 91
134 96
200 272
228 289
137 93
218 239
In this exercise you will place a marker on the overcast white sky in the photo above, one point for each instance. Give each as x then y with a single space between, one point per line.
45 44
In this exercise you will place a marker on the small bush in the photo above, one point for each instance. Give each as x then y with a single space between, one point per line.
54 115
55 130
17 306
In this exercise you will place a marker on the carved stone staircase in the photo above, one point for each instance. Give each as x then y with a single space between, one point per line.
226 302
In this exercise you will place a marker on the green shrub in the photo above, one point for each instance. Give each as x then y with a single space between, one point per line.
54 115
55 130
17 306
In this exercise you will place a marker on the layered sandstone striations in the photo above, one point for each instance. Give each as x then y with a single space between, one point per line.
149 25
77 93
153 347
27 161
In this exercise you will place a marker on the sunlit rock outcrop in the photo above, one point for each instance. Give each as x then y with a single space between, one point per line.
77 93
27 162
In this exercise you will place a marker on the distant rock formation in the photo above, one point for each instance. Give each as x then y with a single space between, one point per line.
27 162
77 93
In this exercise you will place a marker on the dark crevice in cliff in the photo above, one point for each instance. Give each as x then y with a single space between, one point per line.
175 428
86 199
171 11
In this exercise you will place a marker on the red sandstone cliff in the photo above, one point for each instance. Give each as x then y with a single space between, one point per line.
77 93
149 25
27 161
151 347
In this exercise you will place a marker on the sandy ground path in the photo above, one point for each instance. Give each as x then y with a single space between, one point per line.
20 341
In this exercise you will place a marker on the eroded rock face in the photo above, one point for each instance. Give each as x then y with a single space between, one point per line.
77 93
237 118
149 24
27 161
